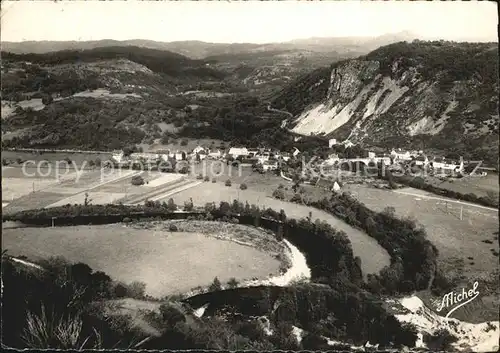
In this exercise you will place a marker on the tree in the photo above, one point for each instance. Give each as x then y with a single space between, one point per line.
215 286
228 182
188 205
279 233
87 200
137 290
171 206
232 283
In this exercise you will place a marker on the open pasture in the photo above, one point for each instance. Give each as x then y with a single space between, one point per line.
457 240
482 186
167 262
373 256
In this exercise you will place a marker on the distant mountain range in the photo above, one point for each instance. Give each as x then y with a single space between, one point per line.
198 50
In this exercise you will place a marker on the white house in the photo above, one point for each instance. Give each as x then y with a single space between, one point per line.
118 156
270 165
253 152
238 151
198 149
336 187
332 142
401 155
178 156
216 154
148 157
422 161
371 155
295 152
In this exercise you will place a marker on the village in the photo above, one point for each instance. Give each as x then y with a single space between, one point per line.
267 159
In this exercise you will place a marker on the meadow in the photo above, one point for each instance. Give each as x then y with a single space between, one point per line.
373 256
167 262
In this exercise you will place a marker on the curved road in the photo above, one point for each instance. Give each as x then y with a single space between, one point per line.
284 122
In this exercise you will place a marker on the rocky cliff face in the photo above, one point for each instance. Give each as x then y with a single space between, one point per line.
441 95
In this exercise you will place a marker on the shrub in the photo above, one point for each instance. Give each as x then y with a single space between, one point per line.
441 340
5 162
184 142
243 186
137 180
206 178
199 176
127 220
228 182
172 228
214 180
170 315
232 283
279 194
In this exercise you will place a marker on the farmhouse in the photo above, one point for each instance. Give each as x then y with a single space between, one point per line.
421 160
270 165
238 151
215 154
400 155
332 142
198 149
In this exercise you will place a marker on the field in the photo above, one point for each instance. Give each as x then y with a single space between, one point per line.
373 256
466 246
480 186
167 262
456 239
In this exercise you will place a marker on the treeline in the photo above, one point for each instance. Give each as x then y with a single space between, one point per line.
329 256
328 252
306 89
337 307
446 61
413 257
85 123
342 312
65 306
36 79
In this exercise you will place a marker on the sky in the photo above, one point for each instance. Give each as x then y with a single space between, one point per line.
250 21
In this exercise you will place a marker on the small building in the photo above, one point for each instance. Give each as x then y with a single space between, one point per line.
198 149
332 142
336 187
215 154
421 160
371 155
401 155
238 151
270 165
295 152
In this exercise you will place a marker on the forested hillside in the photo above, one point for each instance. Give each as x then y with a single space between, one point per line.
441 95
